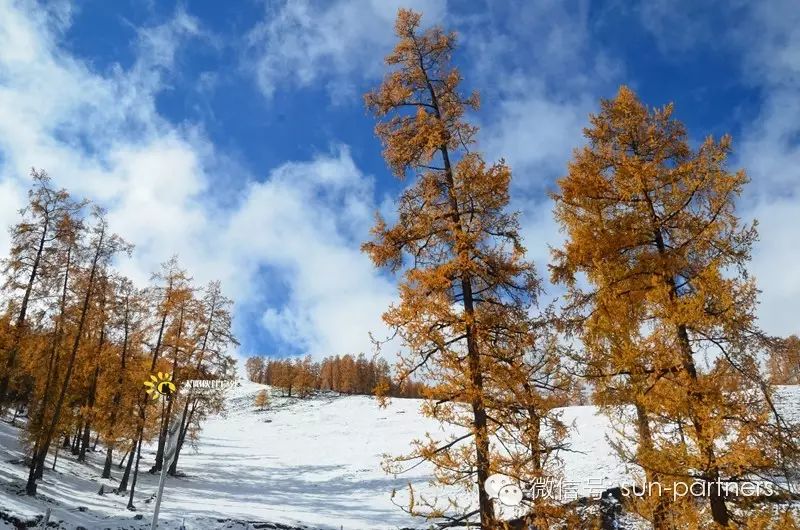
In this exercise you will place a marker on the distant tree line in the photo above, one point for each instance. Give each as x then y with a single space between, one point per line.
346 374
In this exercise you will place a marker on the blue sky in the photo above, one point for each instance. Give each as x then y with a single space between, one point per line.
234 133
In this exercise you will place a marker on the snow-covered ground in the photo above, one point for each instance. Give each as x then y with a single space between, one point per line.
311 463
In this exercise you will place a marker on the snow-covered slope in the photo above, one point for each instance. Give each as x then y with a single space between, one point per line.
302 463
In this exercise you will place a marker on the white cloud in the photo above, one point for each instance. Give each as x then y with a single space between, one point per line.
100 135
770 152
337 43
306 222
550 78
679 27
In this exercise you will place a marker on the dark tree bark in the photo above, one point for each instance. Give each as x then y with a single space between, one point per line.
138 453
108 461
123 483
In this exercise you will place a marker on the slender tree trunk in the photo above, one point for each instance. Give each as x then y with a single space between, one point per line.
478 412
90 405
138 454
482 455
534 429
533 434
76 439
186 420
108 462
122 462
719 510
55 459
115 402
39 471
85 440
143 399
123 483
160 446
52 379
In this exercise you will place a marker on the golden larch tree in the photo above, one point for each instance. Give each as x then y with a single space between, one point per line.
668 321
465 279
784 362
261 400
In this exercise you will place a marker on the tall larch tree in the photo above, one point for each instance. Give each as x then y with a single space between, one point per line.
668 307
44 362
464 272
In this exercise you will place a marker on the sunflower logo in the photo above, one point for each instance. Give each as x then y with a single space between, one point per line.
160 386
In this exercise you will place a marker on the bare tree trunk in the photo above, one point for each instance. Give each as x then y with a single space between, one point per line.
161 438
118 391
138 454
52 377
85 439
143 400
55 459
127 453
165 419
186 416
108 462
123 483
479 414
76 440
